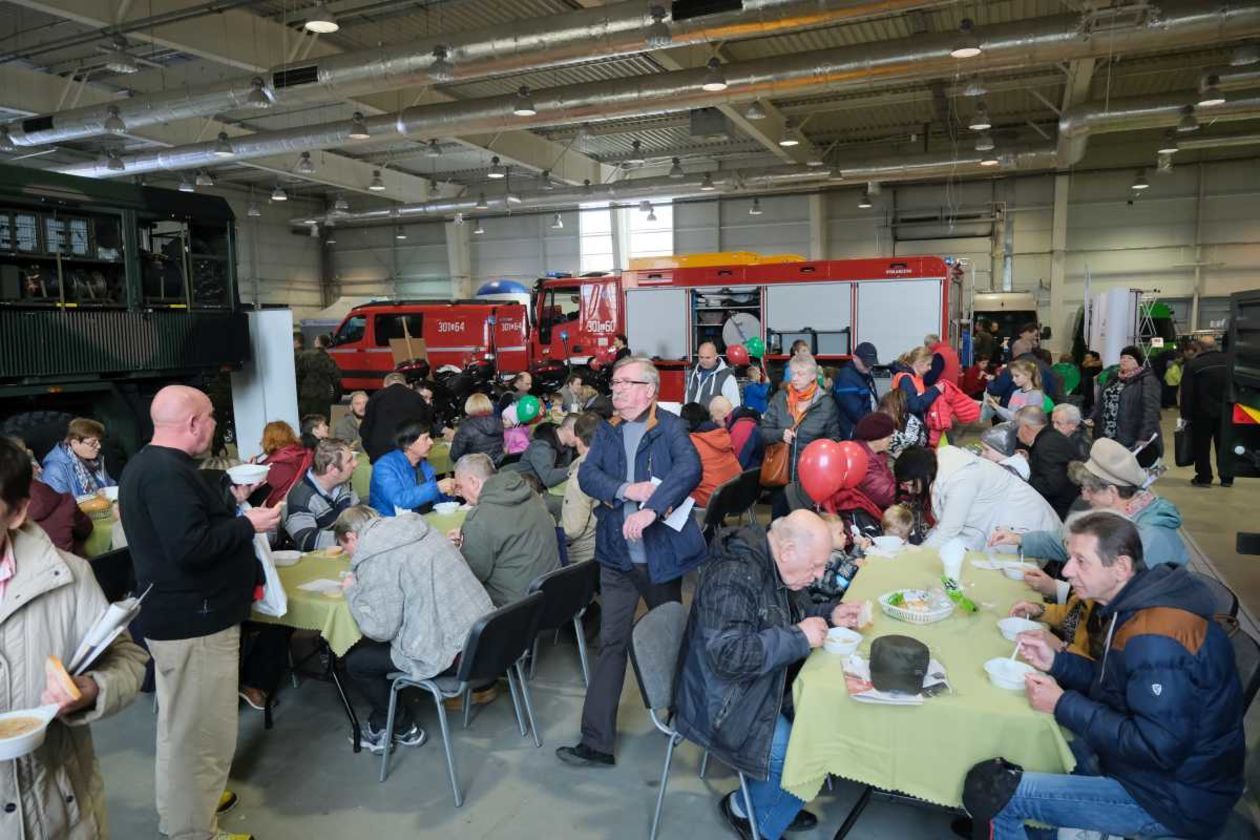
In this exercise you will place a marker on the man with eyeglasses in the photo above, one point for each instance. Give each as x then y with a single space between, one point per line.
641 465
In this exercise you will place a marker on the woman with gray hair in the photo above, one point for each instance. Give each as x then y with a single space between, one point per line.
798 415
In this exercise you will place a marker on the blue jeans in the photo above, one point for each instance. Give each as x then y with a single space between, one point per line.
1082 800
774 806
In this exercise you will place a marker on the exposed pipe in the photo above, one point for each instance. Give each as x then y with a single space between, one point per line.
1007 46
728 183
552 41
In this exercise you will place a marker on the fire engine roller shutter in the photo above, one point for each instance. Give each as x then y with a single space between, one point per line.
825 307
895 315
656 322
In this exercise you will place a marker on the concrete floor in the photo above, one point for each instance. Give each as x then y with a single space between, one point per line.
301 780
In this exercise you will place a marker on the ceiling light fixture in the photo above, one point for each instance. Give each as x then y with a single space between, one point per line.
974 88
321 21
223 147
113 123
984 142
305 166
253 210
586 186
497 171
119 60
433 150
340 205
376 184
658 34
458 219
557 223
204 178
399 233
1188 121
706 185
441 70
358 127
1169 144
315 231
645 206
980 120
1209 94
864 203
1163 164
636 158
278 194
1140 182
989 158
1245 55
545 182
714 78
478 229
524 106
257 97
331 240
755 111
113 162
651 216
482 204
186 184
967 44
791 136
676 170
755 210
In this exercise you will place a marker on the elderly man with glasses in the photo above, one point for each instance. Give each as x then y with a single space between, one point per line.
640 467
1066 419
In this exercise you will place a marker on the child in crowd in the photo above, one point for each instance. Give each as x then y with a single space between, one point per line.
515 436
1027 378
976 378
314 429
756 390
898 521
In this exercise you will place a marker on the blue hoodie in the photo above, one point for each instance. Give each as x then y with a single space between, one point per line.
1157 525
1163 707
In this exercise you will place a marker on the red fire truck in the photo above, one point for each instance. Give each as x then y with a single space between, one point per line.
666 312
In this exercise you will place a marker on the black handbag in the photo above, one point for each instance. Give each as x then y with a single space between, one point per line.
1183 446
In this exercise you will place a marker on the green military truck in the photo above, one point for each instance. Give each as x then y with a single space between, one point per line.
108 291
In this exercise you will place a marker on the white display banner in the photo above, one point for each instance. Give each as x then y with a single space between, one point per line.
265 388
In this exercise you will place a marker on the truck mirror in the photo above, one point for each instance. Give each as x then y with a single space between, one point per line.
1045 333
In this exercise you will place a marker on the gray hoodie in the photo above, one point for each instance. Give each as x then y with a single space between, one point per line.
413 590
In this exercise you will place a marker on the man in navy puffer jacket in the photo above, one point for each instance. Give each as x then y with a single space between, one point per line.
1157 718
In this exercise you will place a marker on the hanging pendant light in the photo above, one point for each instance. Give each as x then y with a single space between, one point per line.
204 178
278 194
676 170
441 70
1169 144
321 21
755 210
478 229
1210 95
257 97
864 203
714 79
967 45
253 210
706 185
186 184
984 142
544 181
755 111
358 127
482 204
980 120
1188 122
524 105
376 185
113 162
557 223
305 166
791 135
113 123
497 171
399 233
1140 183
340 205
223 146
658 36
433 150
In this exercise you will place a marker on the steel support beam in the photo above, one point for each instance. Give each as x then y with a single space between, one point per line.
1058 265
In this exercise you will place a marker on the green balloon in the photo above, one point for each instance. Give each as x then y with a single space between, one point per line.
755 347
527 408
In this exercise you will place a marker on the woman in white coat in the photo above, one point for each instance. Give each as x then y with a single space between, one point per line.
970 497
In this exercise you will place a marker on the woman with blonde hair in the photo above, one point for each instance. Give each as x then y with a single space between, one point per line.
908 378
480 431
1027 379
288 458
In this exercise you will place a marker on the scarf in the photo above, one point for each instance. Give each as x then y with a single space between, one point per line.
852 499
800 401
1140 502
84 473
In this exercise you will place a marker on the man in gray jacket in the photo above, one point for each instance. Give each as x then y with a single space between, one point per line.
414 600
710 378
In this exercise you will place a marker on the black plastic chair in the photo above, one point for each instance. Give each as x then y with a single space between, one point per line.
1247 658
567 592
494 648
734 498
1226 602
114 573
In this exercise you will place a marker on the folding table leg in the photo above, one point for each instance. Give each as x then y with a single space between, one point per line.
855 812
355 730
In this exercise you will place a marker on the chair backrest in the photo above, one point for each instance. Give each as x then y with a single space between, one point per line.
562 544
732 498
655 644
500 638
114 573
1247 658
566 592
1226 602
508 460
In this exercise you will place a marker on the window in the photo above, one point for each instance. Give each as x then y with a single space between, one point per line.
651 238
595 238
563 306
351 331
391 326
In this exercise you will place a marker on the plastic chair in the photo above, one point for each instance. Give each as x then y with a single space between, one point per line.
655 644
567 592
114 573
1226 602
734 498
494 647
1247 658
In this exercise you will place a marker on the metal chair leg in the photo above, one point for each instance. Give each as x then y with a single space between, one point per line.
466 701
704 764
529 706
516 702
533 658
293 674
389 728
660 796
748 807
446 744
581 643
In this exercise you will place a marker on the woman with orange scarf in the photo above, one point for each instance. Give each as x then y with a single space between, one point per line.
798 415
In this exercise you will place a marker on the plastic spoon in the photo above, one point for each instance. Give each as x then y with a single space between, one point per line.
1015 652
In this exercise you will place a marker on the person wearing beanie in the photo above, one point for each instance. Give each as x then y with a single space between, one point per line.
1127 408
1000 444
874 433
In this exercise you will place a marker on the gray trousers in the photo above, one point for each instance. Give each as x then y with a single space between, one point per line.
620 593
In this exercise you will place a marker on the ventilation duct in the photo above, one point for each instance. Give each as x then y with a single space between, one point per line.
1007 46
552 41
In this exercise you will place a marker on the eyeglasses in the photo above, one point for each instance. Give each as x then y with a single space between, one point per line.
624 383
90 443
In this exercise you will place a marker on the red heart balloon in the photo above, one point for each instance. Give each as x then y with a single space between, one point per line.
737 354
828 466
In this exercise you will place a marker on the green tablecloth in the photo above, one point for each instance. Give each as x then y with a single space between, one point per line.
330 615
923 751
361 480
101 539
440 458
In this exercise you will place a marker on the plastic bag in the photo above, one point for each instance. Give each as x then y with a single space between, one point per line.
273 602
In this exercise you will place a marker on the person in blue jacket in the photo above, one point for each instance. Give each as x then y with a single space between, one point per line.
854 388
403 479
1156 719
641 467
75 465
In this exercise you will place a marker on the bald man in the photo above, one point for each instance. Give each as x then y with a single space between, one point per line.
750 622
710 377
197 554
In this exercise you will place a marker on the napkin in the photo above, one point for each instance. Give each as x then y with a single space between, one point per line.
857 679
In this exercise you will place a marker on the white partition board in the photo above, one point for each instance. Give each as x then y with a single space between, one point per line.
656 322
265 388
895 315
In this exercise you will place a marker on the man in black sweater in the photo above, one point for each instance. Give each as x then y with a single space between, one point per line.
1049 453
198 556
387 409
1204 382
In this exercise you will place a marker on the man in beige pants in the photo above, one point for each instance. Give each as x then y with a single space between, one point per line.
189 543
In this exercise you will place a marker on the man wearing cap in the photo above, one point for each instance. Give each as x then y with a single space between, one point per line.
854 388
710 378
1112 480
750 623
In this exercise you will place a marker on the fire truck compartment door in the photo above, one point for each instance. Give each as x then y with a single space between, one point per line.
825 307
656 322
895 315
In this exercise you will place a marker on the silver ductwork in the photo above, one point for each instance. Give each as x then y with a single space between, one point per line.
1006 47
1138 113
552 41
778 179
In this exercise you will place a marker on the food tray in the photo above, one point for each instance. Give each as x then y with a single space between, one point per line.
941 607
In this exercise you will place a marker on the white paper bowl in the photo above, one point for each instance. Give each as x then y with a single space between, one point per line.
27 742
446 508
1015 570
842 641
110 493
1014 625
248 473
1007 673
887 543
285 557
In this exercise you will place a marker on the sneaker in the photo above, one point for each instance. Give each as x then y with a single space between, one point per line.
413 736
1225 483
372 740
227 802
1194 482
584 756
738 824
480 697
255 698
803 821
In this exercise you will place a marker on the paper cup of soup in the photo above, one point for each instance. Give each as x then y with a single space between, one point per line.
245 474
1013 626
1015 570
842 641
23 731
1007 673
446 508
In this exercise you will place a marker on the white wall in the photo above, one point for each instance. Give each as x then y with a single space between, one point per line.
371 262
286 264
